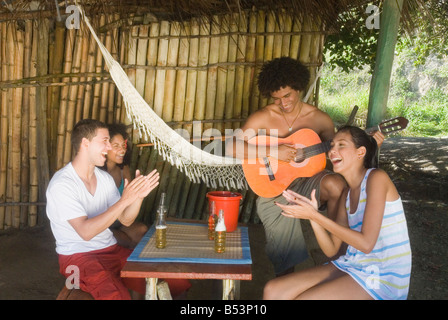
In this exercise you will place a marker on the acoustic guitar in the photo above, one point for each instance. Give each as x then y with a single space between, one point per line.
268 177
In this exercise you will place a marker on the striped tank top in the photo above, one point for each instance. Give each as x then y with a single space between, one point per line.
384 272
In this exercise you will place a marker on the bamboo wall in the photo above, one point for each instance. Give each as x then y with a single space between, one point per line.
51 77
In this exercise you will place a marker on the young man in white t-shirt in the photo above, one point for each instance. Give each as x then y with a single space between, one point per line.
82 202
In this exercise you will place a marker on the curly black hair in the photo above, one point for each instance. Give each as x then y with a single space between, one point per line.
282 72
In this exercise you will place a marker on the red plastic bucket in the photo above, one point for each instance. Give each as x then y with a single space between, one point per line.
230 203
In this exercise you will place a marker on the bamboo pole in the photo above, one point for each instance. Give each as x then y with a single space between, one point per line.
4 127
9 99
151 60
55 92
212 72
229 104
121 110
162 187
172 179
201 203
173 210
240 71
249 71
259 46
269 42
160 74
104 95
295 39
112 108
34 176
69 43
191 201
180 211
181 76
320 62
88 94
142 47
315 51
157 164
268 49
278 38
223 54
8 213
25 119
72 94
131 57
192 75
83 68
286 39
16 127
95 114
154 162
41 104
201 92
305 46
170 79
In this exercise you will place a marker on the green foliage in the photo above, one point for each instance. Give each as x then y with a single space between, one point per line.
430 33
427 113
354 46
350 59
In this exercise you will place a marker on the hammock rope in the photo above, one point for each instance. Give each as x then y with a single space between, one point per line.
197 164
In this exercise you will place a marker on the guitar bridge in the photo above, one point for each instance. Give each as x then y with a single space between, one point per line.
267 165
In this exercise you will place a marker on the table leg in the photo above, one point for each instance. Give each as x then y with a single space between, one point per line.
151 289
230 289
163 291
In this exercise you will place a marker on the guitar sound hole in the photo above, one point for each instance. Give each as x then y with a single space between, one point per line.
300 156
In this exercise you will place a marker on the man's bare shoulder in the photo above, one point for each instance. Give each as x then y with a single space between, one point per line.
259 118
314 112
318 120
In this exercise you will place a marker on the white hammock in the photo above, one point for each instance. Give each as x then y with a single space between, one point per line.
197 164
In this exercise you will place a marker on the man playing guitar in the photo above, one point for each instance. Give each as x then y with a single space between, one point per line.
284 79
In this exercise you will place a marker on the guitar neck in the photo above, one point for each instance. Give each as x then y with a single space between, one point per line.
316 149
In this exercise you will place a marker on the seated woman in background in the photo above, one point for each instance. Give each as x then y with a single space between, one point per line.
370 219
117 165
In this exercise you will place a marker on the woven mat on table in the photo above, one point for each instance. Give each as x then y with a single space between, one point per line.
188 242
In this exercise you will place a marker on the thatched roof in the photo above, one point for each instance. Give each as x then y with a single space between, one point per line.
328 11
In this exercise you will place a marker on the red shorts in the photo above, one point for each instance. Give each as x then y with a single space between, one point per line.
99 274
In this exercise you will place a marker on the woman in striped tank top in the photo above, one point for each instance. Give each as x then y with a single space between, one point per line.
370 220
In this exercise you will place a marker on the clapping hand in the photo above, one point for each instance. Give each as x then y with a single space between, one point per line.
299 206
141 186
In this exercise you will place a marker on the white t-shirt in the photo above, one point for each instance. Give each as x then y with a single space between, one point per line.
68 198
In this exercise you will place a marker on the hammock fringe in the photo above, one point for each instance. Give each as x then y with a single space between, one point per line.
198 165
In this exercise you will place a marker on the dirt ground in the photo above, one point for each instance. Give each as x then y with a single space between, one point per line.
418 166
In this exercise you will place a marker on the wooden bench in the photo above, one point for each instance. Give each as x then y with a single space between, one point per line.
73 294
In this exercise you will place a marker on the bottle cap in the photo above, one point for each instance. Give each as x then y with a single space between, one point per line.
220 226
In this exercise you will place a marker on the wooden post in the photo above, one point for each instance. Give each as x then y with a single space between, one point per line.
3 121
380 84
41 104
